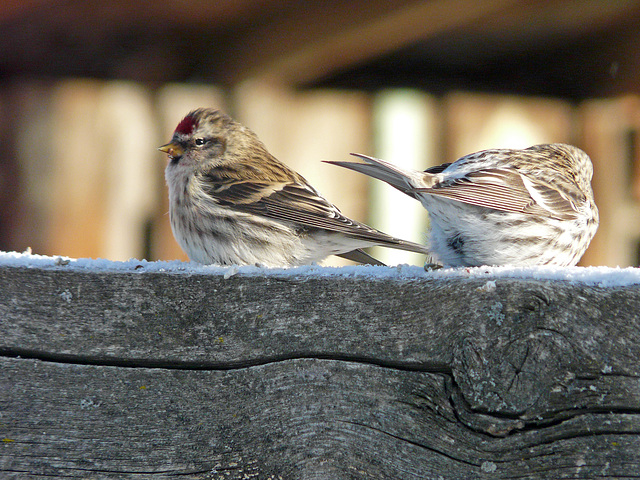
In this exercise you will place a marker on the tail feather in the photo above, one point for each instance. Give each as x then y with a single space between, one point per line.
360 256
394 176
376 168
410 247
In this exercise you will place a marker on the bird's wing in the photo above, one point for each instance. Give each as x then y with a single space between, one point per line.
507 190
296 203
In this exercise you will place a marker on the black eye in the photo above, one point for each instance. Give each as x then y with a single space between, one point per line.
200 141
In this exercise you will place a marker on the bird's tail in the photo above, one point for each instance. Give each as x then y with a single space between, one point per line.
385 171
360 256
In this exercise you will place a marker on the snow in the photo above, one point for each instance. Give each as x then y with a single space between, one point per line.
598 276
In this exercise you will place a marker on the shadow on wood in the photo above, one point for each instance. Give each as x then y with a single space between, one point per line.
137 374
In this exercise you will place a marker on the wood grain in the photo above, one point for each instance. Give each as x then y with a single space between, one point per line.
145 375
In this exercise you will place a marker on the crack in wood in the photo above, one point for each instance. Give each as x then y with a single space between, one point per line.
74 359
412 442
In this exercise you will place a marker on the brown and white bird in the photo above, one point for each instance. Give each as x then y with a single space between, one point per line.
233 203
502 207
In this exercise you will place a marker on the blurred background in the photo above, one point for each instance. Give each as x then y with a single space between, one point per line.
89 89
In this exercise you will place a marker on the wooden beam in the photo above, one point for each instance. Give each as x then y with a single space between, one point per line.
227 375
313 41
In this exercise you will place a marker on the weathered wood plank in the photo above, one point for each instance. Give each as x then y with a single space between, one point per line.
295 419
134 375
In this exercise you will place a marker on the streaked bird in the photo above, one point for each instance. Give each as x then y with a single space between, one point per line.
502 207
233 203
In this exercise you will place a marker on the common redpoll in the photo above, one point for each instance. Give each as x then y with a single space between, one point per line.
502 207
232 202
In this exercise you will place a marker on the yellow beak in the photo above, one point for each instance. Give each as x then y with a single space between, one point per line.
172 149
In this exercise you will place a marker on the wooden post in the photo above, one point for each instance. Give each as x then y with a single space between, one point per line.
143 374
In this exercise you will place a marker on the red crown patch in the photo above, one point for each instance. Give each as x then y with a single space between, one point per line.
186 126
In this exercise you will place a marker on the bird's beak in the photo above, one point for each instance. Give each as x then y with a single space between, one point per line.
172 149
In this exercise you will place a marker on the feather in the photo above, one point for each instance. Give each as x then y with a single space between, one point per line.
506 190
296 203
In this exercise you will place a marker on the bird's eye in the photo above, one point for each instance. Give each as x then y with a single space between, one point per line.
200 141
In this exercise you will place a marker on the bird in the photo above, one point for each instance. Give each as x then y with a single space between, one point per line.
518 207
233 203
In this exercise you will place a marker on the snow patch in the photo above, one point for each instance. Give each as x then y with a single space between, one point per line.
598 276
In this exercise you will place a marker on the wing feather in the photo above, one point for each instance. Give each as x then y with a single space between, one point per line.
506 190
297 203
